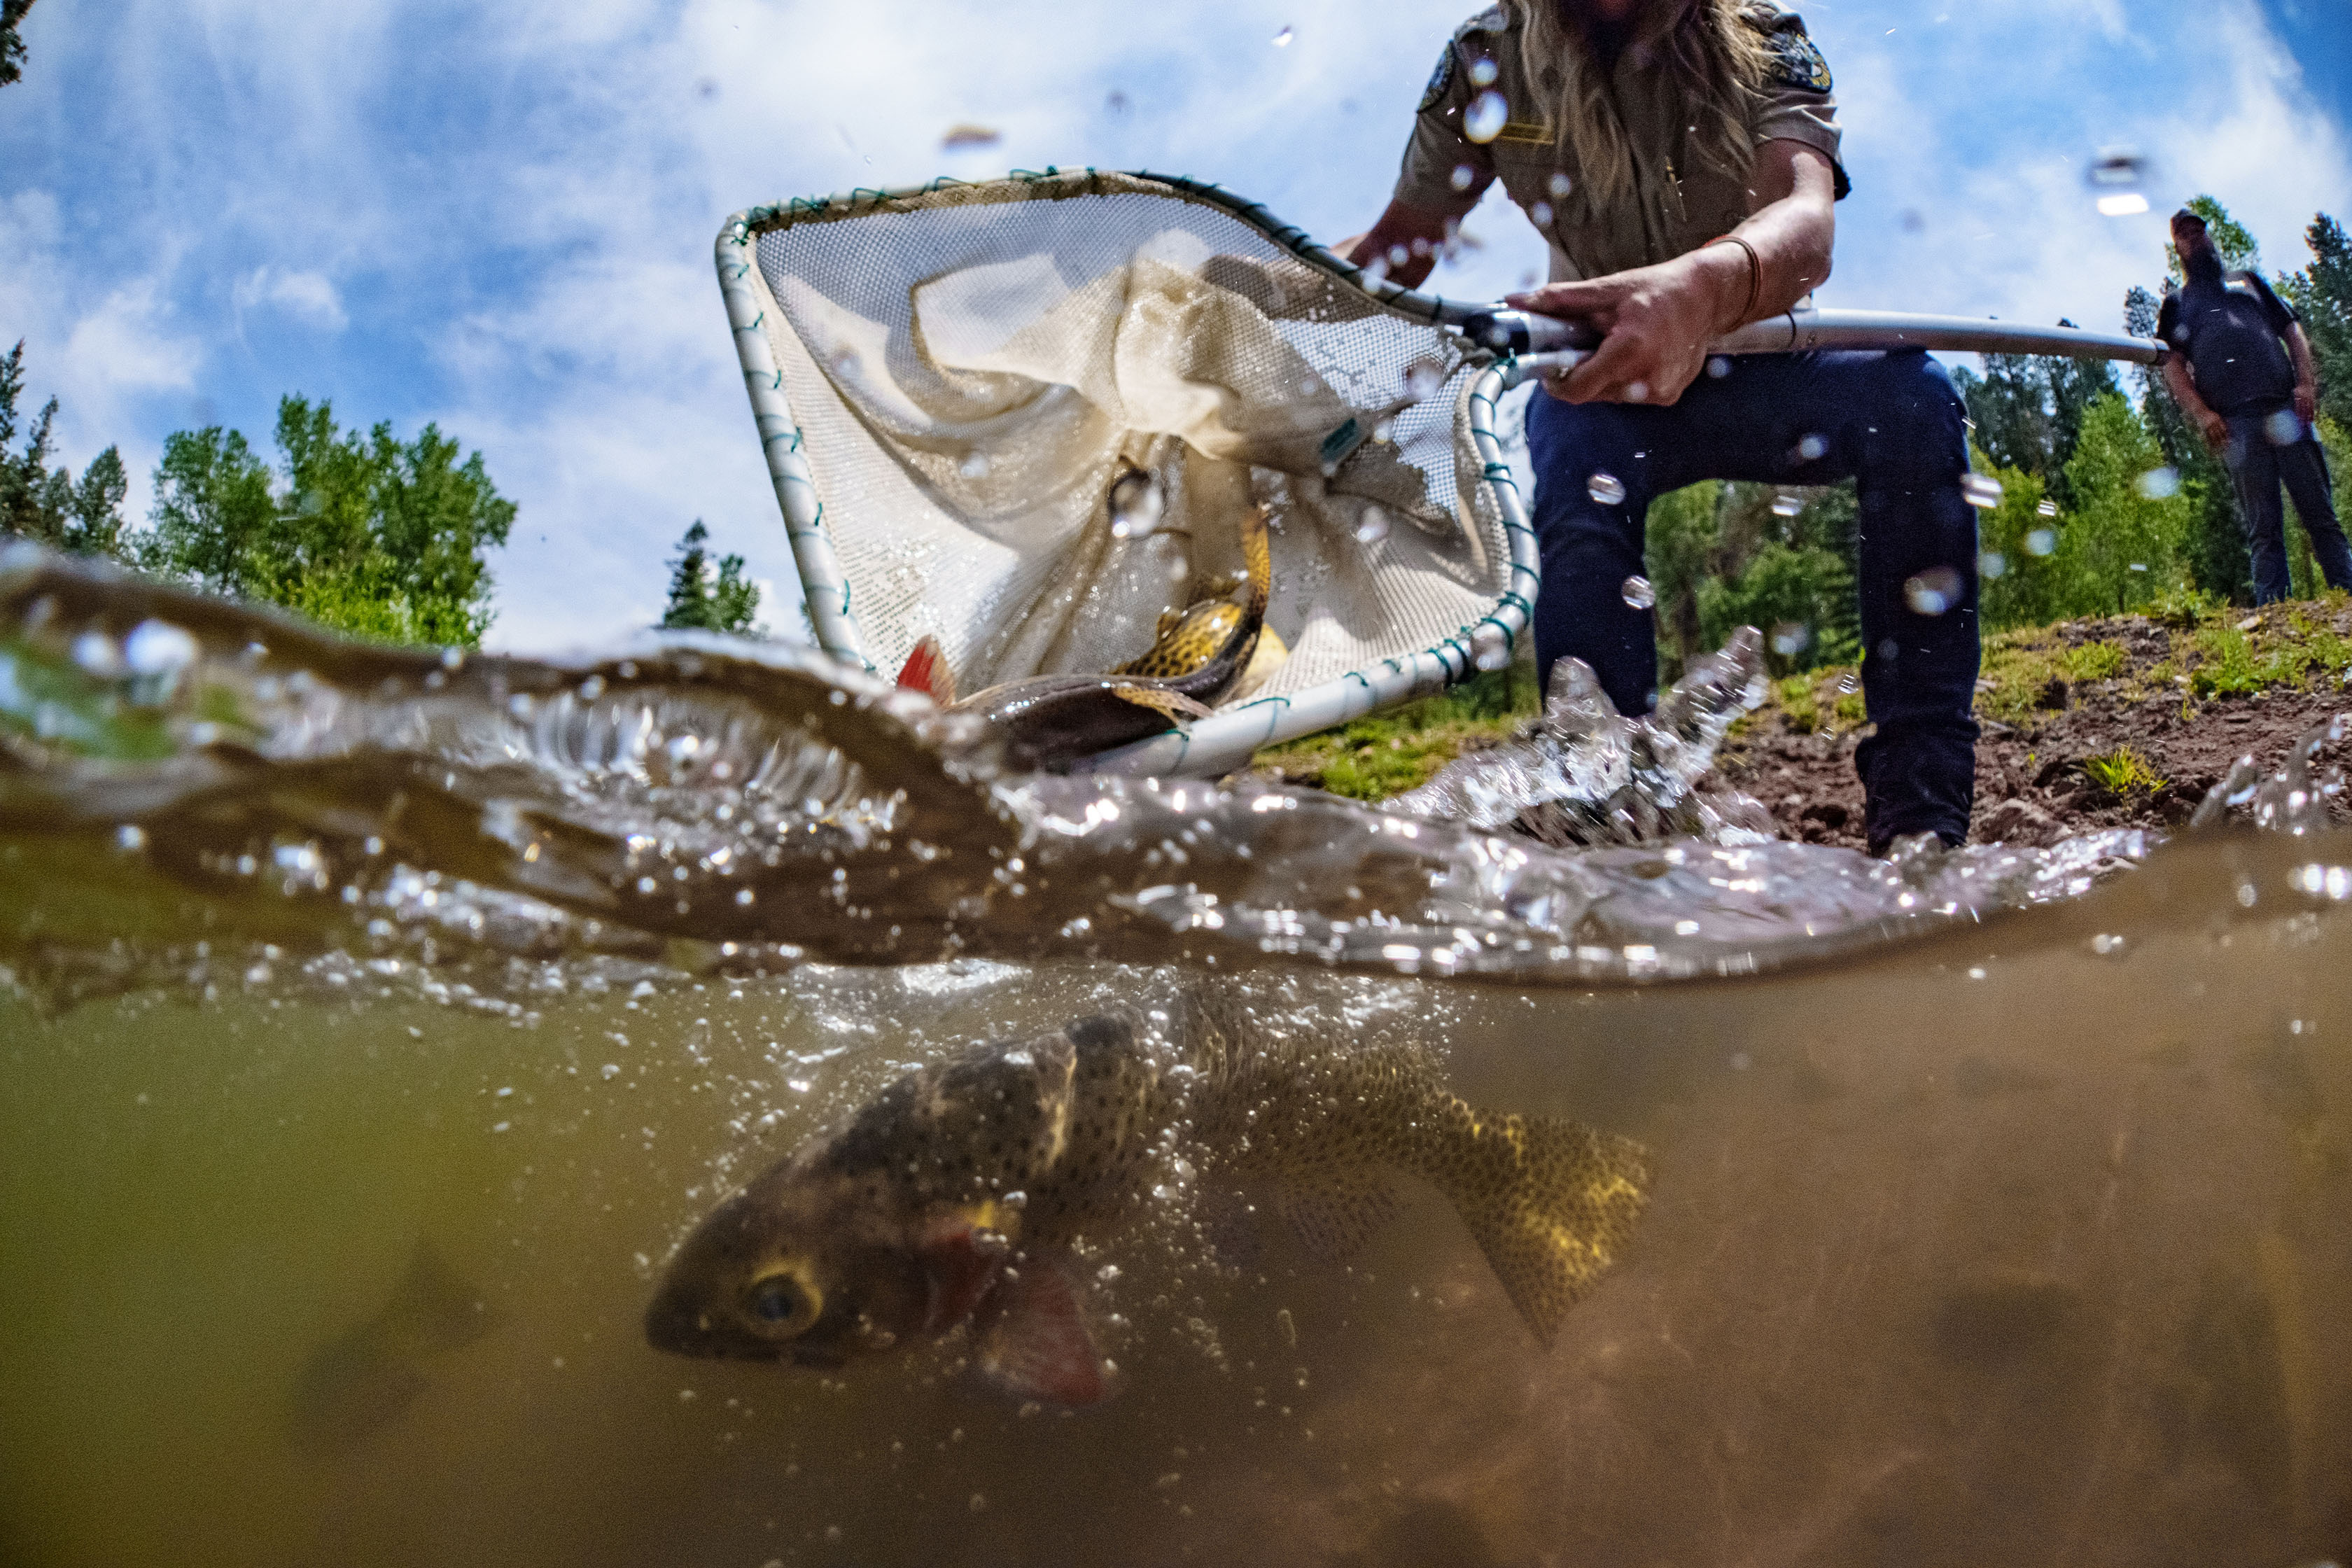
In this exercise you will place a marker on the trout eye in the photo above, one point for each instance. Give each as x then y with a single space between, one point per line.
781 1303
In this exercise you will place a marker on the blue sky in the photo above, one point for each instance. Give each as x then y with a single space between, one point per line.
499 218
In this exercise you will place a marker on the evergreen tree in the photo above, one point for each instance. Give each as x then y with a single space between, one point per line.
2125 544
47 505
2322 295
2028 409
709 597
368 535
12 47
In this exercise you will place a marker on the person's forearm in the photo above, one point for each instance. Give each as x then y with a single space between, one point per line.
1405 243
2184 393
2306 369
1793 238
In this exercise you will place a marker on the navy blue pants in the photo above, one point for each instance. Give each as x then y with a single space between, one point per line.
1889 421
2260 465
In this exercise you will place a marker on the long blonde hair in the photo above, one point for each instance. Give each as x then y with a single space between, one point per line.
1712 56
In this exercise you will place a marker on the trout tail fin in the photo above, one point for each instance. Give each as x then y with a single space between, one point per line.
927 671
1552 1203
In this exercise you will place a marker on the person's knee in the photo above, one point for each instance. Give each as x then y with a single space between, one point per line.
1917 423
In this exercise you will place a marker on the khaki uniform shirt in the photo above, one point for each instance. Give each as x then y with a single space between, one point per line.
1677 202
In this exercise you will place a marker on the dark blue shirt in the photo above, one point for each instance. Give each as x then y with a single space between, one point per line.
2230 332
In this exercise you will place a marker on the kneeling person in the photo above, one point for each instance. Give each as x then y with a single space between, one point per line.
1681 158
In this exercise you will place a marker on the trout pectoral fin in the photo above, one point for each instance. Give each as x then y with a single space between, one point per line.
927 671
1552 1205
960 1264
1334 1215
1036 1345
1177 706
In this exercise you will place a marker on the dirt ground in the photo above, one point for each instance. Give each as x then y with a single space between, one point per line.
2087 724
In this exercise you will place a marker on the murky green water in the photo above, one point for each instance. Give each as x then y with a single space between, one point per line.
1979 1233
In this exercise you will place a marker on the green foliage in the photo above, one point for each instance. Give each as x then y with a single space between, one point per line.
2232 240
1387 754
709 597
2123 773
366 534
2322 295
1800 596
2028 411
2123 546
49 505
12 47
1725 556
1679 555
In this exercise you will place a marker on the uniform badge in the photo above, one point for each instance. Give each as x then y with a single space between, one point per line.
1797 62
1439 79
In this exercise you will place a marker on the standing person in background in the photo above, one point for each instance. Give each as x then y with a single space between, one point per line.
2244 373
1681 157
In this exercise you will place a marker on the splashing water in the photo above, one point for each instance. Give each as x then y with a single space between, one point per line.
1137 504
536 961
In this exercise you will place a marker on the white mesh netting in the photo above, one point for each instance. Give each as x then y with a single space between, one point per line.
974 367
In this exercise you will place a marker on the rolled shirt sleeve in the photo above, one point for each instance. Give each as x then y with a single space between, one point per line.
1795 104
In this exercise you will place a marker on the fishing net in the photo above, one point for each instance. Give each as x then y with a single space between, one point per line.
1027 416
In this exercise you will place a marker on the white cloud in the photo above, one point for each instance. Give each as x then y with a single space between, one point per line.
307 297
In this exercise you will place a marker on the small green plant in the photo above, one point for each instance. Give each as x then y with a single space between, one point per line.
2123 773
2181 607
2092 661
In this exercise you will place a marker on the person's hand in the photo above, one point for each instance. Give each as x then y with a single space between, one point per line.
2215 429
1656 321
2307 403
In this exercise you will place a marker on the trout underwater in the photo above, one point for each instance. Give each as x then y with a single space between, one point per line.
952 1199
1050 722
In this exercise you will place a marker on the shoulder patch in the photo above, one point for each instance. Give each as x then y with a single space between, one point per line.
1439 80
1796 61
1493 19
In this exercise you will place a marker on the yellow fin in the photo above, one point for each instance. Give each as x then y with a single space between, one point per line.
1169 621
1178 707
1552 1205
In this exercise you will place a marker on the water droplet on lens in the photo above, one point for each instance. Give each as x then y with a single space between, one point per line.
1991 563
1486 116
1483 71
1490 647
1372 526
2284 428
131 837
1399 255
1787 504
1932 592
2047 509
1136 504
1718 365
1540 215
1606 488
1282 39
2157 483
1559 186
1790 638
1849 683
2041 542
1425 378
1812 448
844 363
1463 175
95 652
974 466
1638 592
1637 391
2126 203
158 647
1981 491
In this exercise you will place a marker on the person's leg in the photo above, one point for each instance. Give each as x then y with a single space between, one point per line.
1917 586
1591 544
2253 467
2303 467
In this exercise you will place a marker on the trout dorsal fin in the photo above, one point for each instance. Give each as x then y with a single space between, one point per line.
1552 1205
927 671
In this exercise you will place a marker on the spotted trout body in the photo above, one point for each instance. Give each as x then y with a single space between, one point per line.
952 1198
1049 722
